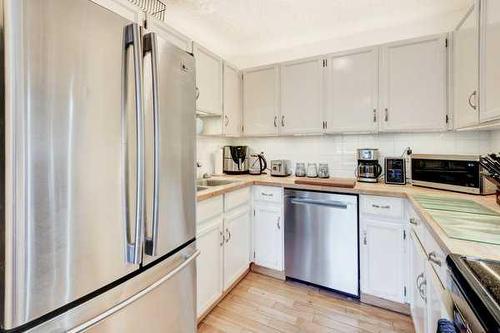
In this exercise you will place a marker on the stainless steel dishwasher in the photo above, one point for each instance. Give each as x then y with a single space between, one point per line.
321 239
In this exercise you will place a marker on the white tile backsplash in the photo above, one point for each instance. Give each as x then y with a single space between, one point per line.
495 141
339 151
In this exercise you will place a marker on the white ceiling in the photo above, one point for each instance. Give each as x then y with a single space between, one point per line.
251 32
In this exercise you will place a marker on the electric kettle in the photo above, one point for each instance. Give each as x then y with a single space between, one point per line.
257 164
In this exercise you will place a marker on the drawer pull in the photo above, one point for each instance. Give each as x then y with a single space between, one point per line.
434 258
382 207
278 223
266 194
413 221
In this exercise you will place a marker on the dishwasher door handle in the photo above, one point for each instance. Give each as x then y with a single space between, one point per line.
327 203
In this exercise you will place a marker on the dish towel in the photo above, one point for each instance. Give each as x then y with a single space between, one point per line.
445 326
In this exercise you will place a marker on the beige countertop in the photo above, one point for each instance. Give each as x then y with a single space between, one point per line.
448 245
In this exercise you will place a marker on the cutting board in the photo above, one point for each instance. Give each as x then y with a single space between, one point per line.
333 182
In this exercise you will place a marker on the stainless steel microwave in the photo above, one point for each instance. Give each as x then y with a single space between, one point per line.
460 173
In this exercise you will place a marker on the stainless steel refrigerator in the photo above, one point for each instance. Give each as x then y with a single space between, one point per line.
98 173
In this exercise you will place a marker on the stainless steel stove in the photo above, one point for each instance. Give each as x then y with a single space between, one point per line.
475 291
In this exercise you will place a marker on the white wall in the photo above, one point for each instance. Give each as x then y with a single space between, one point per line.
339 151
495 141
206 149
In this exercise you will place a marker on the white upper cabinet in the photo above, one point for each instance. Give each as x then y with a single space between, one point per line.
232 101
490 60
261 101
208 81
466 70
301 90
351 92
169 33
413 85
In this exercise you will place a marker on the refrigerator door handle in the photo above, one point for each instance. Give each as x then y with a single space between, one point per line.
132 38
150 46
142 293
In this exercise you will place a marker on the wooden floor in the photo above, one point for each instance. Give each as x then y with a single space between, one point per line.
264 304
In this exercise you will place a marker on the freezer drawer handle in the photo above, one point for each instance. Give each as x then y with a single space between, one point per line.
150 46
327 203
136 297
131 38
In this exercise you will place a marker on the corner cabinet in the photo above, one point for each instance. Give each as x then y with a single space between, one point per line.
351 91
232 120
261 101
414 85
465 58
208 81
301 97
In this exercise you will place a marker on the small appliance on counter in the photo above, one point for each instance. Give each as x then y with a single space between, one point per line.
258 164
459 173
491 164
281 168
235 160
368 169
395 170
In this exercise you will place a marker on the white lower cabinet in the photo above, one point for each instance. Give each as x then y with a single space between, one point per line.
417 288
210 242
237 244
223 238
268 226
383 259
383 248
430 301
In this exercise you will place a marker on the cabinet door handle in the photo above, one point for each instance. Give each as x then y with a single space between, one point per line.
283 121
386 118
474 94
382 207
413 221
228 235
278 223
227 120
434 258
222 237
374 115
197 93
365 240
275 121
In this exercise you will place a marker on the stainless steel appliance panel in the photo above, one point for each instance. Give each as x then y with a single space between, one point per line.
160 299
170 146
321 239
72 146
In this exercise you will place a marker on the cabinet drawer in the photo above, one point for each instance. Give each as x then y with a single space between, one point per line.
435 256
268 193
208 209
236 198
382 206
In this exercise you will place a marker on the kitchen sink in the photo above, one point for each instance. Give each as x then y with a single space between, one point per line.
214 182
201 188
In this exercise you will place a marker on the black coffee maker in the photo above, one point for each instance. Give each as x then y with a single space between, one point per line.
235 160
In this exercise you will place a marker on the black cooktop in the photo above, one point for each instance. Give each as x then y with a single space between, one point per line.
479 280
